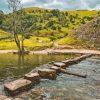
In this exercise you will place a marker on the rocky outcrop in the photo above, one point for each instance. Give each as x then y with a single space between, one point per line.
89 33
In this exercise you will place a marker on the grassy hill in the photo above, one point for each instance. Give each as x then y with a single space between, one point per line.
53 25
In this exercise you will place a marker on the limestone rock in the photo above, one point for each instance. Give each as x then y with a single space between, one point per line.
17 86
34 77
55 68
47 73
60 64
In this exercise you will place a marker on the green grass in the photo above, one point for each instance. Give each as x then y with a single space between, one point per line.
30 44
45 33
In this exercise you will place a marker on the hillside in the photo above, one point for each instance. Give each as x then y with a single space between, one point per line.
90 33
54 25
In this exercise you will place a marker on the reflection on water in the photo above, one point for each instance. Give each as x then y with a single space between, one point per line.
15 66
65 87
69 87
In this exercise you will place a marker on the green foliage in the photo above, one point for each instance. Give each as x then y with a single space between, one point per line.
53 24
68 40
38 20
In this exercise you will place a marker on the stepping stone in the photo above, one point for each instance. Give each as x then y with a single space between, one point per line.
33 77
70 62
47 73
60 64
55 68
2 97
17 86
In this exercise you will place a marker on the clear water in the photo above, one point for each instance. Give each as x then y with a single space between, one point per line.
68 87
65 87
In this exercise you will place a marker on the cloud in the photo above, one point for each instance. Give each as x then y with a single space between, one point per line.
58 4
64 4
26 1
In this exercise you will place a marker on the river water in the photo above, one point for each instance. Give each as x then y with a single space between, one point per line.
65 87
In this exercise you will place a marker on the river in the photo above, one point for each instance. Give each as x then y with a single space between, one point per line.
65 87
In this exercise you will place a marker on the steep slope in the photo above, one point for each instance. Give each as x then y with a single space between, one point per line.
89 33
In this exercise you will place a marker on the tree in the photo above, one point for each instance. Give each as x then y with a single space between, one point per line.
1 18
20 22
55 12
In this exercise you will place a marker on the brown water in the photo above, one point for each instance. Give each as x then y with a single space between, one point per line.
15 66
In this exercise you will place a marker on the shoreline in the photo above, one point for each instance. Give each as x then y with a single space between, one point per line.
56 51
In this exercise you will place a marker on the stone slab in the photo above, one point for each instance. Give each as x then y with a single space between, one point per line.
55 68
33 77
60 64
47 73
17 86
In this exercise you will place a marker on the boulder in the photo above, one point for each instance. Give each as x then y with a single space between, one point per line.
60 64
33 77
47 73
17 86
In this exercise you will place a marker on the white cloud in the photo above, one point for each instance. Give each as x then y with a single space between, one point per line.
58 4
84 5
26 1
97 7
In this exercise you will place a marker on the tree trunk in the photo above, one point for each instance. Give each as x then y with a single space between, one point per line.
22 47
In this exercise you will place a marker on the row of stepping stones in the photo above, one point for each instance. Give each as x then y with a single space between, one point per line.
30 79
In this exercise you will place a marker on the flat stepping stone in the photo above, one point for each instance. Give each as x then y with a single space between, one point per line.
33 77
55 68
70 62
60 64
17 86
47 73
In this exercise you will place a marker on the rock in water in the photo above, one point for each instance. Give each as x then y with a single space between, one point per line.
55 68
60 64
17 86
33 77
47 73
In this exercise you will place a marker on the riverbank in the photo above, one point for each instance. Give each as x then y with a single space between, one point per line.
57 51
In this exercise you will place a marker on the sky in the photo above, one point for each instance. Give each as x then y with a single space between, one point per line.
57 4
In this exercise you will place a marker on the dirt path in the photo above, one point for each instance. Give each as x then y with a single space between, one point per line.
64 51
59 51
84 51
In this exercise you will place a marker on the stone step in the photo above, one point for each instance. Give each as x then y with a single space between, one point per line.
47 73
17 86
76 60
33 77
60 64
55 68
